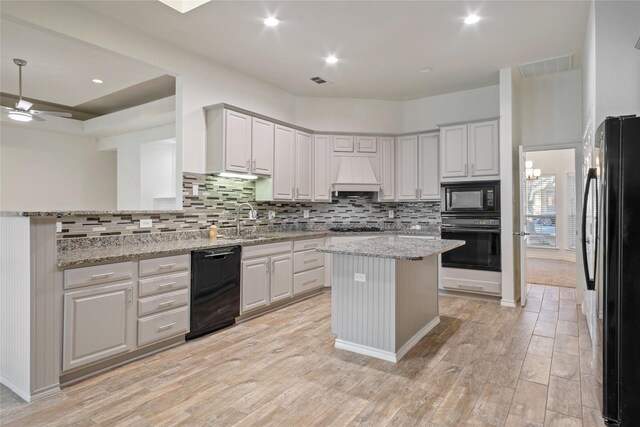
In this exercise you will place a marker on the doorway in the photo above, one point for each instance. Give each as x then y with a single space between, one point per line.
550 201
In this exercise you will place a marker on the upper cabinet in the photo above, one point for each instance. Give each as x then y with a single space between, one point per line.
239 143
417 176
470 151
322 168
366 144
387 169
283 166
303 168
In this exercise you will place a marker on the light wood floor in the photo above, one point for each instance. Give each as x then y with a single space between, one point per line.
483 365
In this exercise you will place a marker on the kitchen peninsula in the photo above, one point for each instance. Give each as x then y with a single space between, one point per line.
385 293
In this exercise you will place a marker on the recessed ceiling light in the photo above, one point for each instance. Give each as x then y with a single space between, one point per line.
331 59
471 19
97 81
426 70
271 21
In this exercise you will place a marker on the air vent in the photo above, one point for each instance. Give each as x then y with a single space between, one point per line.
546 66
319 80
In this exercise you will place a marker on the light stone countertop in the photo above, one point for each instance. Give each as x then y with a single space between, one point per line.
60 214
395 247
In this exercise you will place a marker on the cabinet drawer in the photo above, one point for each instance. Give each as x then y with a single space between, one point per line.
166 283
458 284
163 325
162 302
308 280
305 245
84 276
307 260
265 250
164 264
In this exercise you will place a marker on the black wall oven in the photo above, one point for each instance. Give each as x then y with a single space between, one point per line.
480 197
482 248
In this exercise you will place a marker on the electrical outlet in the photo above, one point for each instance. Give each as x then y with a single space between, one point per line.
194 189
146 223
305 213
272 215
360 277
391 213
58 227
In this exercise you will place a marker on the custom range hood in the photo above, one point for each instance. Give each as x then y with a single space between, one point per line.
355 174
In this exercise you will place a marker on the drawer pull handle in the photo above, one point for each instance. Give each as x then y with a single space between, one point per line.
164 304
167 265
165 327
310 260
308 282
166 285
102 275
469 286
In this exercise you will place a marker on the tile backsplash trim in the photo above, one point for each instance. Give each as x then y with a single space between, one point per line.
216 204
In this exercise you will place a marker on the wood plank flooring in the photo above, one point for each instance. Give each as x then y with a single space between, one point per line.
483 365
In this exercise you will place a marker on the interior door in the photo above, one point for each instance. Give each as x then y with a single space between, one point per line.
522 234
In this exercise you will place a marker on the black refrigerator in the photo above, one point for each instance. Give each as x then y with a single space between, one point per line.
619 225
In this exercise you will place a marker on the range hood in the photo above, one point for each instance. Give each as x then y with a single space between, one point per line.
356 174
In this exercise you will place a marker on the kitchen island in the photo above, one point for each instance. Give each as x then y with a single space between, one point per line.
385 293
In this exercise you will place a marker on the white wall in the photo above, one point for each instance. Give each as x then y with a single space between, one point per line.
558 163
617 28
426 113
549 109
43 170
157 174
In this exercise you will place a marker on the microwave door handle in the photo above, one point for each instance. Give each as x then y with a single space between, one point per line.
590 279
470 230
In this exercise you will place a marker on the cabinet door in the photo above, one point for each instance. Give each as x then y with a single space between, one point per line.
262 147
484 149
321 168
98 323
283 163
366 144
428 172
281 277
407 168
387 168
255 283
343 143
303 166
237 142
453 151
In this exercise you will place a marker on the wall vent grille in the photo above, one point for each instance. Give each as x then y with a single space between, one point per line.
319 80
546 66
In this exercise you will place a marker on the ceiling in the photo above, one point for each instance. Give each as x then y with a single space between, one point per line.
381 45
60 70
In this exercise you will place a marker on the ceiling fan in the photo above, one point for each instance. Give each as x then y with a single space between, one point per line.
22 111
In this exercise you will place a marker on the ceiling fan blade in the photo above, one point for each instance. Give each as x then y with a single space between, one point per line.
50 113
37 119
7 109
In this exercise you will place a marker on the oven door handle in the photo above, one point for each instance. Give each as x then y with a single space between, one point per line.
471 230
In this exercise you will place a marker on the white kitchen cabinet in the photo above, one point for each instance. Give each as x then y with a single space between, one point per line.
237 142
387 169
303 166
99 322
255 283
470 151
428 171
281 280
366 144
321 168
484 149
343 143
406 176
283 165
262 141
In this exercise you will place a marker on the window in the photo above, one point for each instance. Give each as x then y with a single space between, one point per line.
571 199
541 211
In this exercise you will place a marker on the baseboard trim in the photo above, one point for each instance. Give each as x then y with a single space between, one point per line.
28 396
389 356
507 303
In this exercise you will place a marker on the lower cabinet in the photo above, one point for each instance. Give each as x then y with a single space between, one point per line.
98 323
255 283
280 279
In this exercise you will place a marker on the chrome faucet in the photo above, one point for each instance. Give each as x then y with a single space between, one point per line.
252 215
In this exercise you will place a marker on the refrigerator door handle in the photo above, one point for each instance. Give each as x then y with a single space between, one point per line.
590 277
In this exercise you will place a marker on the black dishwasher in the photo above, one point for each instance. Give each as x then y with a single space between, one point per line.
215 289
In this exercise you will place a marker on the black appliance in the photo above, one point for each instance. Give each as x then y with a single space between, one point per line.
215 289
355 229
619 139
471 198
481 250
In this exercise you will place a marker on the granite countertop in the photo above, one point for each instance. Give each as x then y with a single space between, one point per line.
59 214
395 247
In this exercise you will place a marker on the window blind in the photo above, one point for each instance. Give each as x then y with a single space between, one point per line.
571 199
541 211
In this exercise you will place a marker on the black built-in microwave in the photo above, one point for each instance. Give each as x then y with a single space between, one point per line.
478 197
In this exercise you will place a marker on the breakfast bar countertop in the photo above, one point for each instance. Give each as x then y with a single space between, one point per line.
410 248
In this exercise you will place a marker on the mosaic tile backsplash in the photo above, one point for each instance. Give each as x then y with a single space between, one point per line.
216 204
